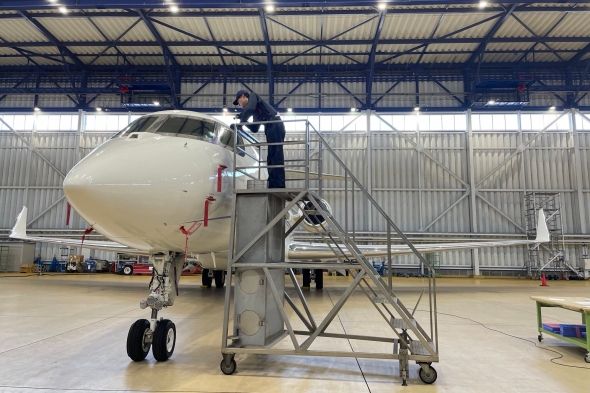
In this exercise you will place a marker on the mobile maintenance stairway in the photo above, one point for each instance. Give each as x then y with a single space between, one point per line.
257 257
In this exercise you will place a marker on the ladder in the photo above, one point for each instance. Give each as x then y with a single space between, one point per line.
546 258
257 256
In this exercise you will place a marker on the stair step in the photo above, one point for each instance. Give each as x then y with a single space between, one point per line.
399 323
381 299
417 348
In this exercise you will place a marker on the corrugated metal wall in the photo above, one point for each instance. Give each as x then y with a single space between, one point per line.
415 177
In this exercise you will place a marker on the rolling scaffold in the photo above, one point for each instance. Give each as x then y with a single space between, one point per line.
257 257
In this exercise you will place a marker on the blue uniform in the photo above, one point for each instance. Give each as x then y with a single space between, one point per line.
275 133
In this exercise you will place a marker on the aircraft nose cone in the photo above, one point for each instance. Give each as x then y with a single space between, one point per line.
116 193
123 188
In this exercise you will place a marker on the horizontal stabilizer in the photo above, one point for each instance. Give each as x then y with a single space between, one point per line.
543 235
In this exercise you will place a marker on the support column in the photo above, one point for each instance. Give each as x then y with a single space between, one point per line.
28 164
578 169
369 158
420 179
523 171
472 191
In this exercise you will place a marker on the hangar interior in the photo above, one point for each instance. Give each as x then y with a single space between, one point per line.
453 115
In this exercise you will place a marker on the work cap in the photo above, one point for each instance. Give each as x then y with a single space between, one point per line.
239 94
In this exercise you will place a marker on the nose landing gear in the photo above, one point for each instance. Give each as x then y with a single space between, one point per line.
160 335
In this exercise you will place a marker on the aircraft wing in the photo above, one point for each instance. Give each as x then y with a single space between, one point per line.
321 251
19 231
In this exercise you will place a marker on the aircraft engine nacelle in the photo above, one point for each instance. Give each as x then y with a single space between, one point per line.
314 220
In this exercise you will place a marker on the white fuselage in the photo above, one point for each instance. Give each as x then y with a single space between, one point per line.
139 188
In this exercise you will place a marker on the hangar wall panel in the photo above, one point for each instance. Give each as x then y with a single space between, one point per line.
419 173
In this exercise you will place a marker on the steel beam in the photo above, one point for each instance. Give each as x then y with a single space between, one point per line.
402 41
47 34
431 36
345 89
488 38
203 42
107 38
159 4
23 80
437 40
159 40
537 36
269 61
111 44
371 71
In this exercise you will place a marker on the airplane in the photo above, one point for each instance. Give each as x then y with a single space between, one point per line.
162 187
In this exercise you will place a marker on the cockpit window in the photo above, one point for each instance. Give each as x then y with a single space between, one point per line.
188 126
226 139
140 125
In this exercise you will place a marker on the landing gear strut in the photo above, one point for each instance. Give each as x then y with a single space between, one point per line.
160 335
210 275
318 276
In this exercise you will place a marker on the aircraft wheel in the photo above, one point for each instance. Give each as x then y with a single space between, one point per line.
164 340
138 345
319 279
306 273
206 279
219 276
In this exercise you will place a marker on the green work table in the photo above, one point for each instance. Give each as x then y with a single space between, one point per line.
578 304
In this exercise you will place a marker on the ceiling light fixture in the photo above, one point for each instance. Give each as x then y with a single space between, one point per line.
491 102
156 103
416 108
382 6
99 109
37 109
63 10
552 108
353 109
482 4
174 8
289 109
225 109
270 8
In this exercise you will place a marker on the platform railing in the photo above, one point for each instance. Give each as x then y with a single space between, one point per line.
341 240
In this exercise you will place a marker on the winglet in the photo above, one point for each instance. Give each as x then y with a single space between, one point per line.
19 230
543 235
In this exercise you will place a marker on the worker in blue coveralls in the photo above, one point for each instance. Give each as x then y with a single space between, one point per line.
254 106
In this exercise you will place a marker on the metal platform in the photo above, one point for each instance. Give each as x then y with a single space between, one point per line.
257 256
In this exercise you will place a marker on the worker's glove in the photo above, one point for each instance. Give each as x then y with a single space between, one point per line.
237 117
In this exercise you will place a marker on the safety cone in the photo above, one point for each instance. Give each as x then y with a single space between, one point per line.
543 280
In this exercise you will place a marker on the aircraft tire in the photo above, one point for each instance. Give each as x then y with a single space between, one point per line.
306 273
164 340
219 276
206 279
319 279
137 345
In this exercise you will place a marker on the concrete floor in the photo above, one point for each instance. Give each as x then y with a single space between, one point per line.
67 333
